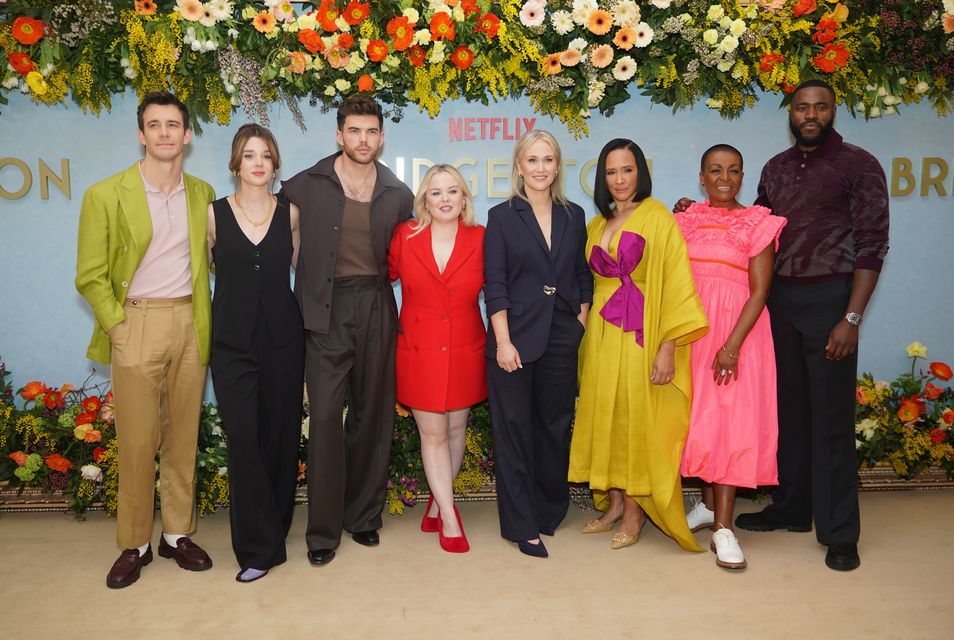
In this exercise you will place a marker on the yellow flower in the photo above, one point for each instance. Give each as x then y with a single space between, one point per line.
914 350
36 83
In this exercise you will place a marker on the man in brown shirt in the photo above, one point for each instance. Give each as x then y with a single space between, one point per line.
350 205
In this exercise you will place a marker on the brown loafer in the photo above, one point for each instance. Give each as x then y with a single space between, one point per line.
188 554
126 569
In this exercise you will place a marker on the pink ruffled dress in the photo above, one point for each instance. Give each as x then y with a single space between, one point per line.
733 429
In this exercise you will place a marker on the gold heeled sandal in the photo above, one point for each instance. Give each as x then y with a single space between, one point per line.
622 540
597 526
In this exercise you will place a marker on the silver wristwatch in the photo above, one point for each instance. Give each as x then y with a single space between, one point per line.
854 318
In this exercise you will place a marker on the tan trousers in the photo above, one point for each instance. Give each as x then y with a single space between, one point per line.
158 384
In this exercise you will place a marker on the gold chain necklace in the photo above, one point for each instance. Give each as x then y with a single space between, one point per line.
244 213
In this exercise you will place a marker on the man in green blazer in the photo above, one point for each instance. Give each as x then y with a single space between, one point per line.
142 265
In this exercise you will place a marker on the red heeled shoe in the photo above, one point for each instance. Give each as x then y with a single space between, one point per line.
430 523
457 544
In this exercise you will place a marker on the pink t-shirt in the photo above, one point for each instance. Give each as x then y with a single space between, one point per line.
165 270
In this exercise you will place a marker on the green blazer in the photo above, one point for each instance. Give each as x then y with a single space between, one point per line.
115 230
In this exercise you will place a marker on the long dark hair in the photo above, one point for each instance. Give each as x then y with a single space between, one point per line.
644 182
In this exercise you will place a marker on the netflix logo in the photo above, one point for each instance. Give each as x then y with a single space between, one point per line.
467 129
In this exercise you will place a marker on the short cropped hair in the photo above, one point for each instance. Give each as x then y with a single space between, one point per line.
161 98
815 82
359 105
719 147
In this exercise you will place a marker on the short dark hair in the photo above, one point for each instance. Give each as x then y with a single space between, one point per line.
815 82
161 98
243 135
719 147
644 181
358 105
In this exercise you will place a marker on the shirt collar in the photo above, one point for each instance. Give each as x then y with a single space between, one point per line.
827 149
151 189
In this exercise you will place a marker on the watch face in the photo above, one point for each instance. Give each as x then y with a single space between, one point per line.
853 318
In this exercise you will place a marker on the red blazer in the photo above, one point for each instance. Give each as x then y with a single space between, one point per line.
440 350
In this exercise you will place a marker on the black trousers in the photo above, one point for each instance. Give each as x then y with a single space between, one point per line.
348 465
531 411
259 392
817 460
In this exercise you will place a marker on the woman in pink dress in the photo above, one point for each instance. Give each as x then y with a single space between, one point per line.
733 429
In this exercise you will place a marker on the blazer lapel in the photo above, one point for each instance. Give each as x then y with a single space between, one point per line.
463 247
558 220
421 248
134 208
198 228
526 214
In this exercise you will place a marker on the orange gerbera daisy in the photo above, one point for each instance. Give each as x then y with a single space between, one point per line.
601 56
28 30
571 57
551 64
600 22
145 7
625 38
190 9
264 22
442 26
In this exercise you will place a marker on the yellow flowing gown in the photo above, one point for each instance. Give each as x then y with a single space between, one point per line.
629 433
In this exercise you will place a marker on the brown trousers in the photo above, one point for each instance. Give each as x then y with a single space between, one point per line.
348 465
158 382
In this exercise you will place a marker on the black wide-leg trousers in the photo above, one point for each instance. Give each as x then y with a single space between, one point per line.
348 464
817 459
259 394
531 412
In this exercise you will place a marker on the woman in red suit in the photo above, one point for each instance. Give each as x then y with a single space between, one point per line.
441 368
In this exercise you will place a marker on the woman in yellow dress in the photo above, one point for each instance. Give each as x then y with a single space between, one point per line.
633 412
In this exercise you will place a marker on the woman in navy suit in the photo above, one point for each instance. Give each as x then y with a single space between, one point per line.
538 291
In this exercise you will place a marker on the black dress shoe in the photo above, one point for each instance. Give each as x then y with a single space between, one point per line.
126 569
367 538
319 557
187 554
765 520
536 550
843 556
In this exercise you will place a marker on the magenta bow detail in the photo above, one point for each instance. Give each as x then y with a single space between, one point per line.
624 309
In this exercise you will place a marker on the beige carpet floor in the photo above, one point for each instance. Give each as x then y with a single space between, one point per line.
53 572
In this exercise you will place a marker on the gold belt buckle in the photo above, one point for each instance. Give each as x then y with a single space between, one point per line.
547 289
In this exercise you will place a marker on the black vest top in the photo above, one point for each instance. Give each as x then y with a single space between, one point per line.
249 277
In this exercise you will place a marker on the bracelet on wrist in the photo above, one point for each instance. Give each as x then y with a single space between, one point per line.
734 356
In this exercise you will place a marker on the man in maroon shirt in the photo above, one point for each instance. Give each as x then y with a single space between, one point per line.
835 198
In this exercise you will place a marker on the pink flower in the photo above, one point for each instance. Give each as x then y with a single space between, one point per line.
601 56
533 13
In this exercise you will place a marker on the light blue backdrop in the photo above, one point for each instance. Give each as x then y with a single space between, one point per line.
45 325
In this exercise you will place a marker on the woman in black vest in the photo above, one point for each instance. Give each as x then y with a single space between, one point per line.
257 351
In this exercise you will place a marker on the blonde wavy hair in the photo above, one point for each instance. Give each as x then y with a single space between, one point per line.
423 217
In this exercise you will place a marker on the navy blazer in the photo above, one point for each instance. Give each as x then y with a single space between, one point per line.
518 265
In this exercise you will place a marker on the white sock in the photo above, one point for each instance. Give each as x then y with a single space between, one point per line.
250 574
172 538
142 549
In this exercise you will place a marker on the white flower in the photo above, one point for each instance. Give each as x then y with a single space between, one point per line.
582 10
752 11
124 62
207 19
921 86
866 428
422 37
860 107
196 45
624 69
685 18
644 35
661 4
724 65
902 81
712 103
458 13
562 22
92 472
357 62
234 101
11 82
577 43
725 22
626 13
729 44
210 45
342 85
223 470
217 431
24 87
891 100
596 91
307 21
882 92
437 53
220 9
710 36
948 6
889 110
233 33
411 14
715 12
249 12
129 72
533 13
874 112
284 11
737 28
229 87
342 24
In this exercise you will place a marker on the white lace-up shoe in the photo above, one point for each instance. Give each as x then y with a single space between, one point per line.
728 552
699 517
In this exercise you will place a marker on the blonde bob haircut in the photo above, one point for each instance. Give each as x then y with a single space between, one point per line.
245 133
517 189
423 216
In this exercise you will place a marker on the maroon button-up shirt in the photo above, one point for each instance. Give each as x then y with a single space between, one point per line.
836 201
